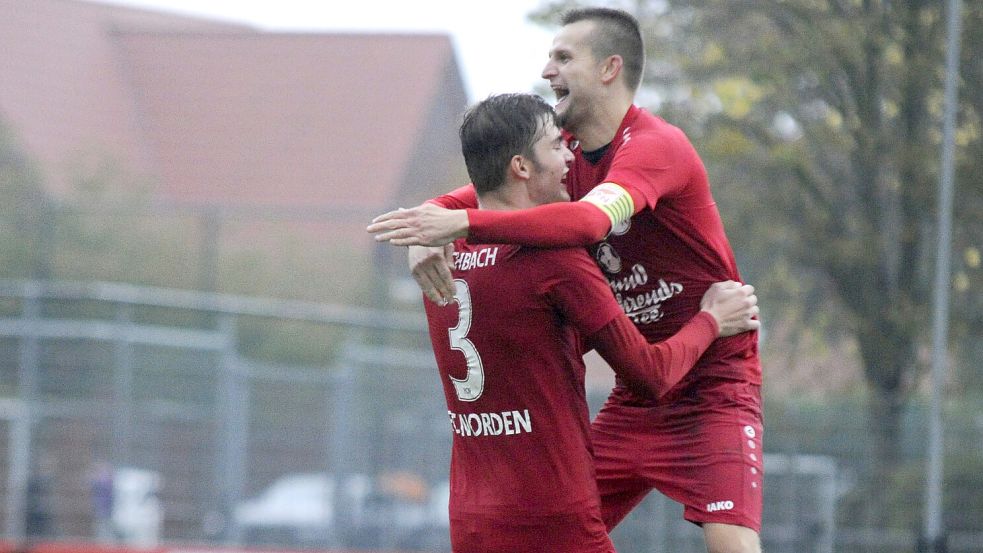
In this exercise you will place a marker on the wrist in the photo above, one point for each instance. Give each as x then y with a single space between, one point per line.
463 224
711 319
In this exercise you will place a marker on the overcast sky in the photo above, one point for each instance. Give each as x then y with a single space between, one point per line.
497 48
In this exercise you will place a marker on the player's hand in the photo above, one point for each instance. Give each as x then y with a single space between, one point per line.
424 225
733 305
431 268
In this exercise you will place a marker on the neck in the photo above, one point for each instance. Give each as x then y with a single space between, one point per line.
606 117
509 197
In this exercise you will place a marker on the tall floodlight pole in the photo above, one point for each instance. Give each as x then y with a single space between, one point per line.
934 534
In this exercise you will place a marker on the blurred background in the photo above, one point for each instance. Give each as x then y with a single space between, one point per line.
201 347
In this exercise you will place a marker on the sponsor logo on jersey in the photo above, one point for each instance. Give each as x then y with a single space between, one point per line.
608 258
645 307
505 423
635 278
720 506
465 261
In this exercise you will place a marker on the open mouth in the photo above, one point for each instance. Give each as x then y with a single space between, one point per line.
561 92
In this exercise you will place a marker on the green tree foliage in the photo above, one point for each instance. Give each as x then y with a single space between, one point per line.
832 113
820 121
968 232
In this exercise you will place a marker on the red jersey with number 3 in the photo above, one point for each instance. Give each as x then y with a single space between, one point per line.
509 352
661 261
664 258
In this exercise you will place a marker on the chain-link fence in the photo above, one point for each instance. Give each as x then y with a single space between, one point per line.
154 415
153 383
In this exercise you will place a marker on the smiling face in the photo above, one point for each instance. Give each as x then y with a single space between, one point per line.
549 160
512 139
574 74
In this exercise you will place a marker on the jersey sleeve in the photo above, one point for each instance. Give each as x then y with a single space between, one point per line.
653 367
464 197
560 224
546 226
575 288
655 165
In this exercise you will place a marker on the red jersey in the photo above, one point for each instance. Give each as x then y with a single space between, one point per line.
509 352
661 262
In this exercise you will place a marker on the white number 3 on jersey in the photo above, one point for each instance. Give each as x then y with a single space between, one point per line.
470 388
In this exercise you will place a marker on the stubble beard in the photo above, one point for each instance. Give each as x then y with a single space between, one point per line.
570 120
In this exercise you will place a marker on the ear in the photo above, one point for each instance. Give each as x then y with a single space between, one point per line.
519 167
611 68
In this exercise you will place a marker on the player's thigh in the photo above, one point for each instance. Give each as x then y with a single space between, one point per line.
619 439
618 444
711 458
730 538
615 505
576 532
702 450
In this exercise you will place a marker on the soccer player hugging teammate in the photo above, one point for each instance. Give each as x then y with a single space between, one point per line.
509 351
646 212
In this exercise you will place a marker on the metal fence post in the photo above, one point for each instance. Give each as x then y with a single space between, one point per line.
341 399
123 389
20 448
233 417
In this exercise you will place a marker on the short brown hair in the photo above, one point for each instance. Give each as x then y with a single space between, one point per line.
616 33
498 128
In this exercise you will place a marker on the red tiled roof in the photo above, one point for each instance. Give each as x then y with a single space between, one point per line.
62 88
301 118
218 113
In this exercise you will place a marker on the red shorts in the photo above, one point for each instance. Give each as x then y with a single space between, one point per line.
560 533
700 446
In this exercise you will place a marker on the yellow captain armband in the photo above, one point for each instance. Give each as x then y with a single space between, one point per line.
613 200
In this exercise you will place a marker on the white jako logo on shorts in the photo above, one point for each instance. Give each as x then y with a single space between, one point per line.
749 430
720 506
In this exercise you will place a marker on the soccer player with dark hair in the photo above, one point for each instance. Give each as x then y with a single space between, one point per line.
509 351
646 211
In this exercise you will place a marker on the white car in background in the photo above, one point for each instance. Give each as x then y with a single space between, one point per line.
295 509
137 510
312 510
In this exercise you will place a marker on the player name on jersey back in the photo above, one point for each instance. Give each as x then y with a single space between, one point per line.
506 423
485 257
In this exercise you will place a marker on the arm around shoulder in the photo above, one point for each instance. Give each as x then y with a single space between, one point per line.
655 367
548 226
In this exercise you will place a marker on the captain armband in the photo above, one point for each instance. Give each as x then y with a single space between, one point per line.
613 200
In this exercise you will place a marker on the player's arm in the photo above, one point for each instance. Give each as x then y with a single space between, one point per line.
436 222
582 297
552 225
649 167
727 308
431 269
464 197
579 223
